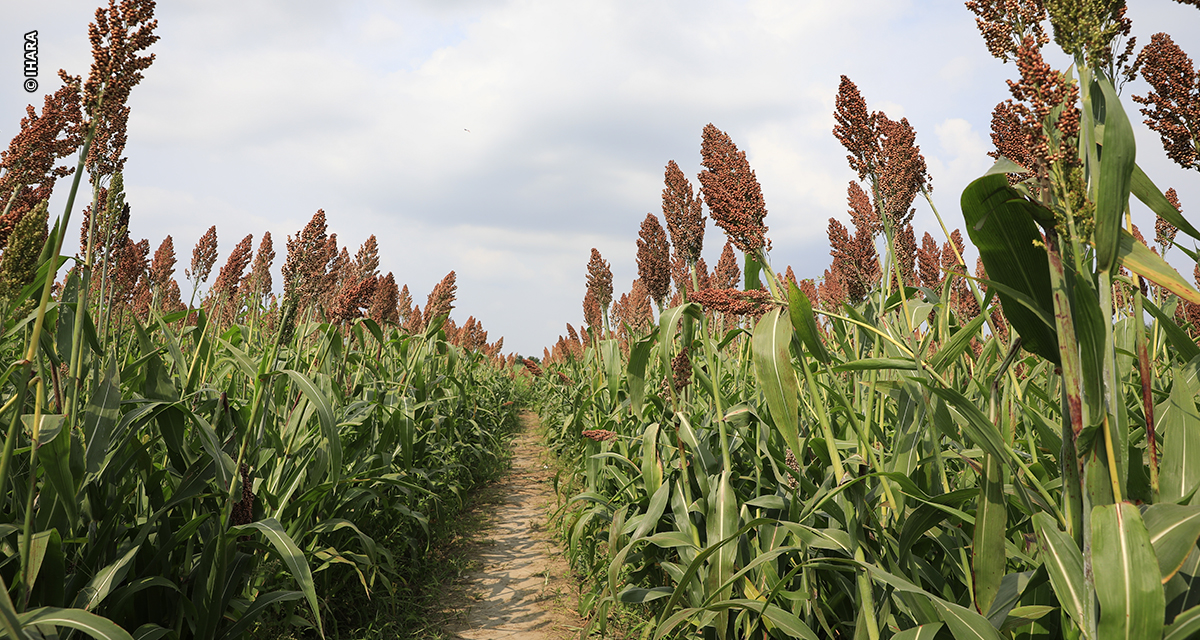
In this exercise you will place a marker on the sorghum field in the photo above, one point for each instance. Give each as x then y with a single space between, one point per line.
905 447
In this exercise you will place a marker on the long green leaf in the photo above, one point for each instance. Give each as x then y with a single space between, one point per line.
325 416
1178 338
1174 530
292 557
957 344
1149 194
1131 598
1001 224
89 623
877 364
1116 170
1139 259
1179 426
964 623
639 356
776 376
988 556
974 423
1064 563
805 323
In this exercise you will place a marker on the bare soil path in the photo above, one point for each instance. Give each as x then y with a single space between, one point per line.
521 589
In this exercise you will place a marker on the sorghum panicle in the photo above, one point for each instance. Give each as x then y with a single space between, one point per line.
683 212
654 259
732 192
1172 109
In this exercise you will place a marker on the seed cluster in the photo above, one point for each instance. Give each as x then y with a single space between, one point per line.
1005 23
733 302
728 275
682 211
1173 108
732 192
653 259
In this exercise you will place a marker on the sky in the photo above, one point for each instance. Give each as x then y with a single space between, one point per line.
503 139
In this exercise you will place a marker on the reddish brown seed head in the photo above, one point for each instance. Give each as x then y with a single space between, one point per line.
732 191
654 259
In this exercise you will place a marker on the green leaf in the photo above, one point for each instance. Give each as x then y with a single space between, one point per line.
325 415
1021 616
988 556
1001 224
805 323
1178 338
639 356
1185 626
957 343
721 523
634 595
877 364
54 457
750 273
1004 165
1064 563
610 351
964 623
256 609
922 632
1090 327
668 324
1139 259
658 504
1174 530
1131 599
776 377
89 623
974 423
8 615
1149 194
292 557
1116 171
105 580
1179 426
100 415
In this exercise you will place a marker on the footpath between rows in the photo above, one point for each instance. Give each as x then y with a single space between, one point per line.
521 588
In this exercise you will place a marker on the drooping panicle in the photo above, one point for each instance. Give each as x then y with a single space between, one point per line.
118 36
258 282
162 267
366 261
902 170
226 284
929 263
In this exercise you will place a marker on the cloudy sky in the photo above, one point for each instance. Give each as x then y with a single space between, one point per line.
257 113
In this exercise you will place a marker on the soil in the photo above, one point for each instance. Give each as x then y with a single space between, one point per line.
521 588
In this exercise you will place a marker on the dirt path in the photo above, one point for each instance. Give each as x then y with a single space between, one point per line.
521 590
